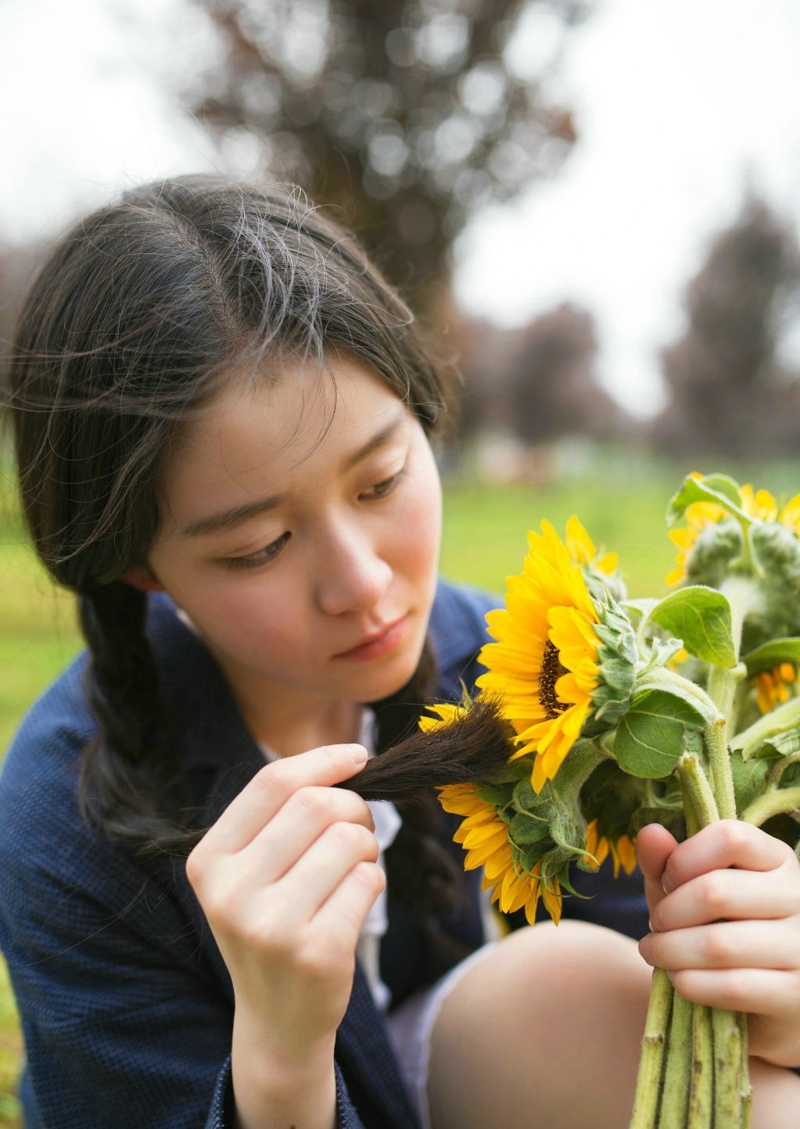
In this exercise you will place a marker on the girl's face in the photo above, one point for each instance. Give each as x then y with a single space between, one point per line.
301 533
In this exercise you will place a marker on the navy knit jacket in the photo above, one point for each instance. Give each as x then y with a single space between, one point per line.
126 1004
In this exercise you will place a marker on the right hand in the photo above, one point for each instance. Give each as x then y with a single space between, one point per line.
286 877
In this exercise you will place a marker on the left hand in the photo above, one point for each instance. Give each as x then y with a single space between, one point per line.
725 919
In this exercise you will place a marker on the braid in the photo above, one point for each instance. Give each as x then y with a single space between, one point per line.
128 770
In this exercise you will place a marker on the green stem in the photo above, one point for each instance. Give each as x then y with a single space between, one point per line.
743 596
745 1089
749 741
773 802
727 1074
648 1083
695 782
678 1066
723 683
720 764
690 812
780 767
701 1095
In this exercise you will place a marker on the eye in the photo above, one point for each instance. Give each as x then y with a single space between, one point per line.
263 556
384 488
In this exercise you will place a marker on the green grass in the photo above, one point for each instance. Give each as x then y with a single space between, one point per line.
485 529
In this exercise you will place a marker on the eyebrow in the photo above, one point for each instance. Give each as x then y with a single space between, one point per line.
229 519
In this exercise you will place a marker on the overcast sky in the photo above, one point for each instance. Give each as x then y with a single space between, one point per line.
681 106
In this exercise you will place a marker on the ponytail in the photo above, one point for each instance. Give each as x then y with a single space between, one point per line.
128 772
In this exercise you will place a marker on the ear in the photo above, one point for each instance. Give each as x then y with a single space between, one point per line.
143 579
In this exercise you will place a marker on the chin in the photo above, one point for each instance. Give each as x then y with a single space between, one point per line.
386 682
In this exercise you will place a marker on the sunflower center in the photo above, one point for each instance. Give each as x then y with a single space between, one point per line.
551 672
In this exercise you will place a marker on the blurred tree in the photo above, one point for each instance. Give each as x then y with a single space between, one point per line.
17 267
553 388
408 115
730 392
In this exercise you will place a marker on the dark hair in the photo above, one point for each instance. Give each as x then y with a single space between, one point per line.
139 313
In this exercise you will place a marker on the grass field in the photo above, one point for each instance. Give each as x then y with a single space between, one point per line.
484 541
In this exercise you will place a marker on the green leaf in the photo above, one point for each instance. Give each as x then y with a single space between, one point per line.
749 780
701 617
698 704
784 744
671 818
772 654
650 737
716 488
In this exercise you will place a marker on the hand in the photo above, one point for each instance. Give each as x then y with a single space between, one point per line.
286 877
725 919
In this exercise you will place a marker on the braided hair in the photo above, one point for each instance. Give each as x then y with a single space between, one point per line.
127 333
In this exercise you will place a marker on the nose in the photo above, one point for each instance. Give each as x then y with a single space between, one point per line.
352 574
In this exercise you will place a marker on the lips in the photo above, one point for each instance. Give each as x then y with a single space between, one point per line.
377 642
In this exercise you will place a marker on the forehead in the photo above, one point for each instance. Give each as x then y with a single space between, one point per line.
286 429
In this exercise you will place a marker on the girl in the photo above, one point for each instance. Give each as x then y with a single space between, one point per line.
222 419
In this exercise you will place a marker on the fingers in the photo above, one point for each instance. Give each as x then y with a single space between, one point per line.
347 907
306 815
730 842
726 944
322 869
654 846
765 991
729 894
270 788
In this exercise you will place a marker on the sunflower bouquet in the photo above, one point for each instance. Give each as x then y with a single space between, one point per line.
620 713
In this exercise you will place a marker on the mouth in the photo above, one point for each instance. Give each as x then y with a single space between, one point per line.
377 642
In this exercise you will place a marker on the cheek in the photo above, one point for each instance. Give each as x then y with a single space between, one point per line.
419 533
245 621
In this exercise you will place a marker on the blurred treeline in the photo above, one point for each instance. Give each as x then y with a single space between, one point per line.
409 116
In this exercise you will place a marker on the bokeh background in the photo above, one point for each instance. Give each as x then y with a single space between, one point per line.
591 205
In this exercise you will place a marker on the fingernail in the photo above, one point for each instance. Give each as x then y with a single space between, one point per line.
666 885
359 753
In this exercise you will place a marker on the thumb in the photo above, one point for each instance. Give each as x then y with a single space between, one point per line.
654 845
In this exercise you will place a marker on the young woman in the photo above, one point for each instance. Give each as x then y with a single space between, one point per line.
222 419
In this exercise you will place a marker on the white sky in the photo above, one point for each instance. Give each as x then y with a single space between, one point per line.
680 105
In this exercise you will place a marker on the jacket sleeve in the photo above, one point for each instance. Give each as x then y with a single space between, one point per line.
125 1003
221 1114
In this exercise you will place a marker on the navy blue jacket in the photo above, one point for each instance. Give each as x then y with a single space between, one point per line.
126 1004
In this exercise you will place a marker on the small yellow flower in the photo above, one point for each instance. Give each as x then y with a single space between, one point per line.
581 548
698 515
623 852
759 504
484 835
544 666
790 515
773 687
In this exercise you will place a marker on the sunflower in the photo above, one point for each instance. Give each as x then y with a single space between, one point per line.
623 852
545 667
773 687
483 833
